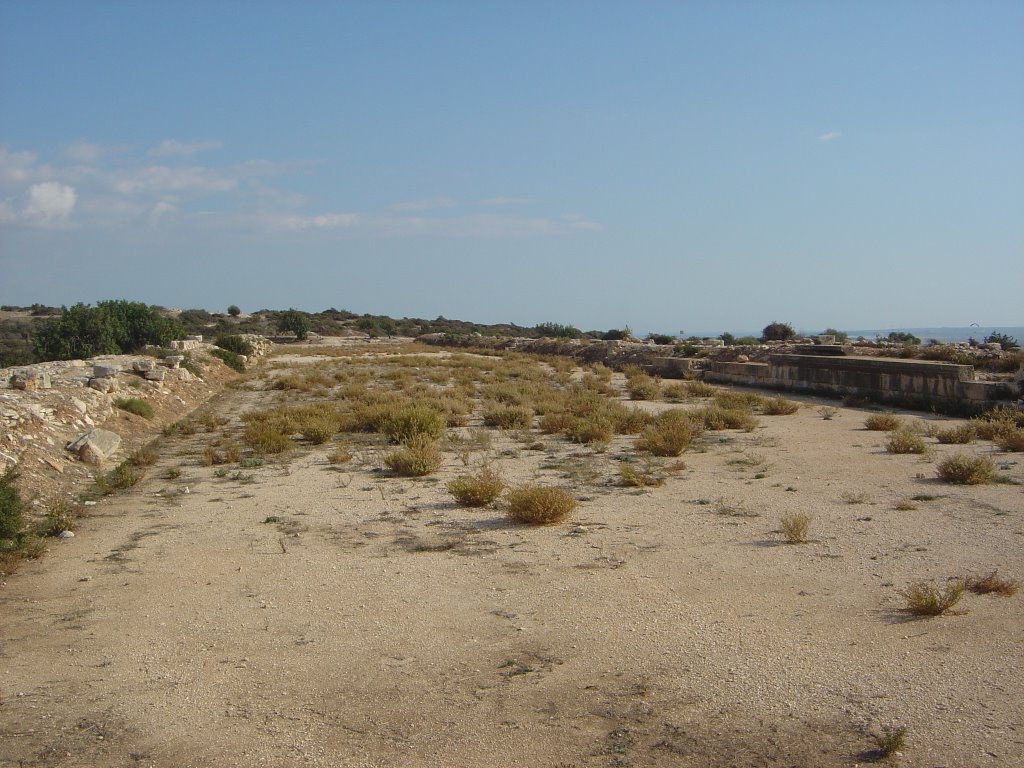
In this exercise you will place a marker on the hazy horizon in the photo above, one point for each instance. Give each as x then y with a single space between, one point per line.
667 166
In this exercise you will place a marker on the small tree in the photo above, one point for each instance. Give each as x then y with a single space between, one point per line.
841 336
777 331
903 337
1007 342
234 311
728 338
294 321
557 331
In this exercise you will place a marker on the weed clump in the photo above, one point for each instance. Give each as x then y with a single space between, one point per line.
883 422
1011 440
266 437
418 457
962 469
135 405
479 489
796 527
905 441
230 359
780 406
539 505
993 583
508 416
671 434
412 422
120 478
960 435
643 477
890 742
12 508
925 599
60 518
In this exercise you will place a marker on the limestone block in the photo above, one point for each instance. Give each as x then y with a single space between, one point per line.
156 374
80 406
142 366
197 337
104 385
29 380
104 371
95 446
174 361
181 374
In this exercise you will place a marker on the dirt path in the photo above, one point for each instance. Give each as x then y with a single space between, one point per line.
298 614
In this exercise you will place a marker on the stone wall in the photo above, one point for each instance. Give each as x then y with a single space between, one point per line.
915 383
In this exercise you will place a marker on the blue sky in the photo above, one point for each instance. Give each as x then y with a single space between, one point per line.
690 166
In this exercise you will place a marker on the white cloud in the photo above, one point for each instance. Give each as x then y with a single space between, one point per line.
48 205
427 204
88 153
19 167
830 136
159 179
496 201
175 148
322 221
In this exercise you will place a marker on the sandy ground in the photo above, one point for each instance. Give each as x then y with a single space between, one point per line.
372 622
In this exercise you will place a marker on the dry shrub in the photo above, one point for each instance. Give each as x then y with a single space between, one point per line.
221 452
144 457
319 431
266 437
925 599
796 527
1011 440
539 505
905 505
555 422
992 584
478 489
962 469
595 428
418 457
631 421
700 389
779 406
61 517
339 456
413 421
675 391
639 477
744 401
959 435
669 435
882 422
905 441
994 422
508 416
716 418
643 387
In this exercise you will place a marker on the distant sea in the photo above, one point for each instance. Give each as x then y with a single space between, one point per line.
947 334
944 335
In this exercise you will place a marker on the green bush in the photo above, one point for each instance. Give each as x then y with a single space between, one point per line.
230 359
136 406
109 328
120 478
12 508
232 342
777 331
294 321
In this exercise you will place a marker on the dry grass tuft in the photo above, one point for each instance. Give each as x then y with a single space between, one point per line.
883 422
959 435
1011 440
905 441
962 469
419 456
539 505
991 584
670 435
780 406
479 489
508 416
796 526
905 505
925 599
639 477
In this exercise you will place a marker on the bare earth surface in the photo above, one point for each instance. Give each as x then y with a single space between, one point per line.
373 622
